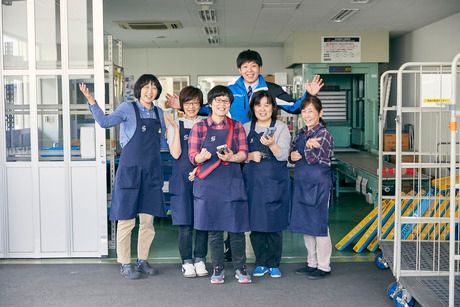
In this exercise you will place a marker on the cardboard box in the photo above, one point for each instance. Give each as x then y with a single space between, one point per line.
405 159
389 141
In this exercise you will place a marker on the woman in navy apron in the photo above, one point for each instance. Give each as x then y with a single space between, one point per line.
311 153
139 178
267 183
217 145
181 187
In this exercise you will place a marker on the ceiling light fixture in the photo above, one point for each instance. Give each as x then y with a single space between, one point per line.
360 1
211 30
343 15
213 40
204 2
207 15
281 5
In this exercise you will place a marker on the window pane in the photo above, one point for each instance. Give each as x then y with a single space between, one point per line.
47 34
14 18
80 34
17 118
206 83
82 129
50 120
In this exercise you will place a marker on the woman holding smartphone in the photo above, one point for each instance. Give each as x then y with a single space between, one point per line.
267 182
220 201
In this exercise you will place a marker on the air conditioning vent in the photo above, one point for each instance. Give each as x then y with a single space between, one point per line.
213 41
211 30
149 25
343 15
208 15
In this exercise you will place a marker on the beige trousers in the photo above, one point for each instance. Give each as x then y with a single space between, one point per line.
319 251
144 240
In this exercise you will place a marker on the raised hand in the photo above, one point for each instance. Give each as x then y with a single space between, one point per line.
172 101
85 91
314 86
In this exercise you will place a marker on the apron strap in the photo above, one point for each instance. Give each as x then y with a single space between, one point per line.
203 174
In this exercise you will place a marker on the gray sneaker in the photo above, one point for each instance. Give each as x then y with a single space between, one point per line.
142 266
128 271
218 276
243 276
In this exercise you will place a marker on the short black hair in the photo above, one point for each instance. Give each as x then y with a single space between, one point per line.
219 90
248 56
189 93
256 99
143 81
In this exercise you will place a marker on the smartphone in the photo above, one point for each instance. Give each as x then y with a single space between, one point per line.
222 149
269 131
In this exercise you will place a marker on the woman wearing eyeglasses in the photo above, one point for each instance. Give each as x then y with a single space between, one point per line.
217 145
181 184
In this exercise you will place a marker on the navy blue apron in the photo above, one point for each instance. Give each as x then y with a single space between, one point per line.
220 201
139 177
180 188
311 192
268 187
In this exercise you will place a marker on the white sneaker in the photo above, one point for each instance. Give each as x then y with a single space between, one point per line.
200 268
189 270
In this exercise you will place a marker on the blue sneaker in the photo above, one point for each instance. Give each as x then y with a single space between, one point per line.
275 272
260 271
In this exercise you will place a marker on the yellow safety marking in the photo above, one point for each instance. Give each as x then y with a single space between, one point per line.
348 238
371 230
446 229
385 228
428 230
418 229
407 212
443 183
452 126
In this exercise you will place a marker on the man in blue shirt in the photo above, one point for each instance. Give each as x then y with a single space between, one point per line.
249 63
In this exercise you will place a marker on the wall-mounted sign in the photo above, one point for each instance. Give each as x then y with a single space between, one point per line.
341 49
435 90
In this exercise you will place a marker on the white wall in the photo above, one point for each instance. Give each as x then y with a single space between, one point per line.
435 42
196 61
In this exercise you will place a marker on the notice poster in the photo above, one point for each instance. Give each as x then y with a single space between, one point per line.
341 49
435 90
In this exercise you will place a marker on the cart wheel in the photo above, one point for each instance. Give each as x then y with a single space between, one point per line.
392 289
380 262
403 299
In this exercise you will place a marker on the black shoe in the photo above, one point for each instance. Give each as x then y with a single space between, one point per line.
128 271
142 266
318 274
305 270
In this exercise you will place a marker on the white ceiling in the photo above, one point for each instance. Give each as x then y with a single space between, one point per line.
244 23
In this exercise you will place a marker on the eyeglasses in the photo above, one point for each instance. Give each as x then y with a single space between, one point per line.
222 101
191 103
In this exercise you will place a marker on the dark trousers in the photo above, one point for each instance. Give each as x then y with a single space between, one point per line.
186 243
237 246
268 247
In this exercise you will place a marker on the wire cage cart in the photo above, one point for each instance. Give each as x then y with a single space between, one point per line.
419 237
